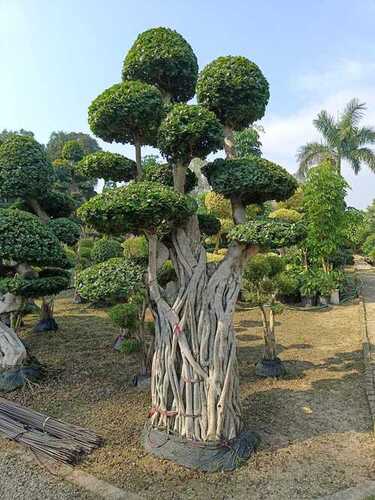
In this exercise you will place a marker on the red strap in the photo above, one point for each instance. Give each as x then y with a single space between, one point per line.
177 329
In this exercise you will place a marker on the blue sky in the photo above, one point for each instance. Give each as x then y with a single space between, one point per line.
56 56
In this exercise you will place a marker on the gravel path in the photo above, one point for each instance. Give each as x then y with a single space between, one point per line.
22 481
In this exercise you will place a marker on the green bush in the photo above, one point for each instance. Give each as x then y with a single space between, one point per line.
110 281
138 207
130 346
235 89
125 316
25 171
286 214
136 248
250 180
105 249
163 173
368 246
66 230
189 131
162 57
127 112
107 166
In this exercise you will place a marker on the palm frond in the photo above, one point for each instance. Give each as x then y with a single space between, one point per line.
362 155
352 114
326 125
311 154
365 135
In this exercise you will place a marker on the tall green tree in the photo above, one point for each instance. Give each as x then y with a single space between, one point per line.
324 206
342 139
58 140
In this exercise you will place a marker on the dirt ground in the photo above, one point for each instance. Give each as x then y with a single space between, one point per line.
314 424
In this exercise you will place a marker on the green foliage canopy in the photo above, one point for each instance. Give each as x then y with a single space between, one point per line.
25 171
250 180
162 57
235 89
128 112
189 131
111 281
24 239
107 166
138 207
66 230
72 151
268 234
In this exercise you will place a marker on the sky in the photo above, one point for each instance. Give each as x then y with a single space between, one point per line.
57 56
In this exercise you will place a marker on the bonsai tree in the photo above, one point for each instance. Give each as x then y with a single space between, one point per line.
194 386
26 242
263 283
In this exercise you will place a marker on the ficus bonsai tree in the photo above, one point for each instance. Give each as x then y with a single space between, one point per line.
38 262
32 265
194 382
263 282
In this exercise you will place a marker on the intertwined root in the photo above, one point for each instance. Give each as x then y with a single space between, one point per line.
195 391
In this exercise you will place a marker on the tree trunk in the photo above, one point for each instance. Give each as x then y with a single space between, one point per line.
46 322
138 159
12 351
229 145
195 391
43 216
269 335
179 177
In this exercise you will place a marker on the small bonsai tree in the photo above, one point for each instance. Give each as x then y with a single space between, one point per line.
27 242
263 283
66 230
195 390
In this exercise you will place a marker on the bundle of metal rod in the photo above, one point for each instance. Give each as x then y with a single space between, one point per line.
60 450
86 439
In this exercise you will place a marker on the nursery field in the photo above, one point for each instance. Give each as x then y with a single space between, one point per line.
314 424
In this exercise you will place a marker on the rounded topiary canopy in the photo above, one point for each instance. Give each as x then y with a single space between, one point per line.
270 234
162 57
107 166
163 173
112 280
128 112
57 204
72 151
24 239
66 230
25 171
138 207
49 282
189 131
209 224
235 89
106 249
250 179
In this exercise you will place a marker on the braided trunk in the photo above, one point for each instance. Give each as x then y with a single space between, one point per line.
195 392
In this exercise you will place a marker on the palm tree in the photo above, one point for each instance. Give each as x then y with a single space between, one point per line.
343 139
